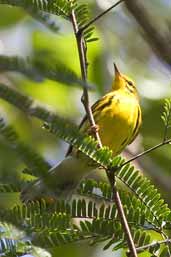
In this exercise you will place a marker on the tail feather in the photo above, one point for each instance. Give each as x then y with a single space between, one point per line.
60 182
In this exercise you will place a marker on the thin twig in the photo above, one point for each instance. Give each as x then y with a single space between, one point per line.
82 58
166 142
98 17
123 219
85 100
142 248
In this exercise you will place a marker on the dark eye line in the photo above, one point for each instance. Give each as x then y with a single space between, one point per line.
130 83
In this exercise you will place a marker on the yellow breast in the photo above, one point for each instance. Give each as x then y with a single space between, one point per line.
119 121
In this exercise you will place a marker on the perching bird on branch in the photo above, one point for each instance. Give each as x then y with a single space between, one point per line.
118 118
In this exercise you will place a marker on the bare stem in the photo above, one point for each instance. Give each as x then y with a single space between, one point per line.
99 16
82 58
166 142
123 219
142 248
85 100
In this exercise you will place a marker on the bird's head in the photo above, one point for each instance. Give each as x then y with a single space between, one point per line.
123 82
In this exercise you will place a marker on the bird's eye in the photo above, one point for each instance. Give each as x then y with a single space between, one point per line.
130 83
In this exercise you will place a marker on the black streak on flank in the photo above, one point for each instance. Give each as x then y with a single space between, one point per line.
137 124
124 142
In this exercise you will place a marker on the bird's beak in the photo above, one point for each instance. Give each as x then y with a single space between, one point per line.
117 82
117 72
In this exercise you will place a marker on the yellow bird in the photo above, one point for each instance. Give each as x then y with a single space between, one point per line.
118 118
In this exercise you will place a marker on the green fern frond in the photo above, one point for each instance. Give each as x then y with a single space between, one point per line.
140 238
10 188
96 231
145 191
59 7
36 216
52 226
166 115
39 215
47 239
38 70
51 223
45 19
165 252
50 69
18 64
131 177
12 248
32 159
147 208
83 16
8 246
157 248
62 128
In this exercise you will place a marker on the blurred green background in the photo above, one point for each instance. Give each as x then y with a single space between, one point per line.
120 41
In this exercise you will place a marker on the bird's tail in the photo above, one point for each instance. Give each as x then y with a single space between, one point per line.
60 181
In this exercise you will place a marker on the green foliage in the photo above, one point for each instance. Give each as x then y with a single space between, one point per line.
33 160
16 64
83 17
52 226
150 213
146 192
166 116
59 7
127 174
50 223
45 19
38 70
57 71
36 216
62 128
164 252
10 188
147 207
9 245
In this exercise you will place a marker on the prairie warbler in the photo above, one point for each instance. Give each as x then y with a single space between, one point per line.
118 118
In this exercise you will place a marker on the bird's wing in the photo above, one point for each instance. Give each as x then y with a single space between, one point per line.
83 121
137 125
60 181
97 106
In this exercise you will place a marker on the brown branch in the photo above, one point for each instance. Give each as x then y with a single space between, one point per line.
155 172
123 219
85 100
82 59
166 142
159 41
